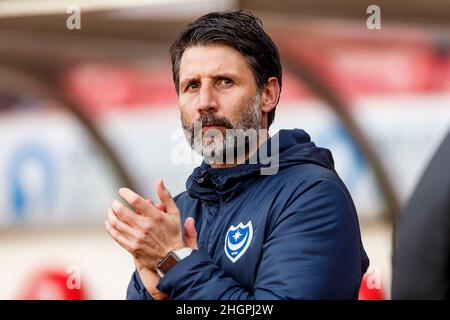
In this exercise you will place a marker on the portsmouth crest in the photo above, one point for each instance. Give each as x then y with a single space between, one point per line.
237 240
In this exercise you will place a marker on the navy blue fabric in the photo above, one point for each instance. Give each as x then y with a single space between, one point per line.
306 240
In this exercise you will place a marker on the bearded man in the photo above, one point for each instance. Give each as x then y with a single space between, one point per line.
263 217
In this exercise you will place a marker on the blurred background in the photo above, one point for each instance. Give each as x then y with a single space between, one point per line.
88 105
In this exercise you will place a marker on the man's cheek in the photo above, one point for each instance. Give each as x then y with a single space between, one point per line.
188 102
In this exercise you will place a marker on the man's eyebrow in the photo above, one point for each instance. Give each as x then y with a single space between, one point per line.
215 76
187 80
225 75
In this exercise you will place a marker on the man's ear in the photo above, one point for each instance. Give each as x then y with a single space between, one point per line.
270 95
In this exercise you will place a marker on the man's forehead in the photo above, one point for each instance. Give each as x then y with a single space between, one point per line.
211 59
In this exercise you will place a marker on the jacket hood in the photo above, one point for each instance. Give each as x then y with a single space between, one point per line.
294 147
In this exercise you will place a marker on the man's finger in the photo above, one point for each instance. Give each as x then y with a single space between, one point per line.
190 234
125 229
141 205
126 214
166 198
160 206
118 237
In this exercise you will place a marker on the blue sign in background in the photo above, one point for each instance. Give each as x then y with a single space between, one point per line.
20 200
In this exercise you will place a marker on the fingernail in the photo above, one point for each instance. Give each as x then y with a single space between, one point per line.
125 192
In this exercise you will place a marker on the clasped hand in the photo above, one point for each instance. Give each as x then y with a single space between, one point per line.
149 231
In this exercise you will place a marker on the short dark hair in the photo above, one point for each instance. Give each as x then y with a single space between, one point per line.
240 30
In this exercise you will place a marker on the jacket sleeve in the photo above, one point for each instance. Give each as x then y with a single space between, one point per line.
136 289
312 251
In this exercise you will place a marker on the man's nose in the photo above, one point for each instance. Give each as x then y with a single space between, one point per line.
206 100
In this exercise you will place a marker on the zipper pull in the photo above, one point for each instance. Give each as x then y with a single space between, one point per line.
204 176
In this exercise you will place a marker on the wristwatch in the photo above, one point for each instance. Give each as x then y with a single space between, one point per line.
171 259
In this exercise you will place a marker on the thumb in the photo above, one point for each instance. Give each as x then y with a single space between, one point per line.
190 234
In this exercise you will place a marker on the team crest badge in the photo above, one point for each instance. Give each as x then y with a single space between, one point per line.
237 240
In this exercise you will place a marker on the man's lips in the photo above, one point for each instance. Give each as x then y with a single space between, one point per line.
207 127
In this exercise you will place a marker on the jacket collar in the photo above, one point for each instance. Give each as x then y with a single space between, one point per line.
213 185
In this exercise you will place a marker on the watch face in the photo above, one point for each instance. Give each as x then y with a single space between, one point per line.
167 263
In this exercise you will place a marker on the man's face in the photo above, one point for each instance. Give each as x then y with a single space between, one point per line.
218 90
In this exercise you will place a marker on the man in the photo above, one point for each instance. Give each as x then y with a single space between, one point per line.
421 264
241 230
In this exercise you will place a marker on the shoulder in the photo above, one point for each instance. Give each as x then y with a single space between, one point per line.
310 191
310 173
304 179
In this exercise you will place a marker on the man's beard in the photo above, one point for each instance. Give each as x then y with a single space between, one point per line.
213 145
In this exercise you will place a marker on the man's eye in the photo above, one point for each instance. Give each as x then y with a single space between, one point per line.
192 86
227 81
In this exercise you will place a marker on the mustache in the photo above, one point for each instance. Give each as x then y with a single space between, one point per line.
211 120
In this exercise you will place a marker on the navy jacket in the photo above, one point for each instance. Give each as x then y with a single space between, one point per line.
291 235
